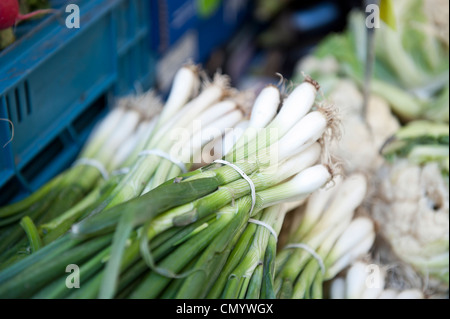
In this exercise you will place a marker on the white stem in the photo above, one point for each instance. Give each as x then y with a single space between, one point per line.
145 136
215 112
333 235
410 294
355 281
319 234
358 230
124 151
263 111
128 125
185 84
265 107
306 132
337 289
363 282
297 105
102 131
309 180
208 97
316 205
362 248
294 165
348 197
211 132
232 136
299 187
293 205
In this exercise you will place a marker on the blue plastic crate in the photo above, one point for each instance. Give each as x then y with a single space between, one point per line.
171 19
217 19
215 30
55 83
190 30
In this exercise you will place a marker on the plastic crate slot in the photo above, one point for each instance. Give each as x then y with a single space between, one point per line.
6 108
122 24
5 134
141 12
42 159
117 21
9 110
18 105
134 70
128 16
27 97
124 81
90 115
141 68
9 190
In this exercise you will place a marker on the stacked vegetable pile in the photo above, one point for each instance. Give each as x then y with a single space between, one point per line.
400 139
140 225
328 239
169 202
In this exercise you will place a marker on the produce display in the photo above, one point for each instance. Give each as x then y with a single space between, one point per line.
301 190
176 221
401 139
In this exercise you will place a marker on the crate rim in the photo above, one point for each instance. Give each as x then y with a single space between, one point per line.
9 82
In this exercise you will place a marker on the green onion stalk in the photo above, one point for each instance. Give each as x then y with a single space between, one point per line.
327 241
249 270
76 249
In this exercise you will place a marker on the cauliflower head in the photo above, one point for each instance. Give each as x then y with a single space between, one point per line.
412 210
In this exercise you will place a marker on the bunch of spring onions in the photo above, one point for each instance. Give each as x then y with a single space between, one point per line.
108 148
328 239
114 167
174 239
368 281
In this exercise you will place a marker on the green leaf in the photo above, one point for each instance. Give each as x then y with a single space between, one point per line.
32 233
387 13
